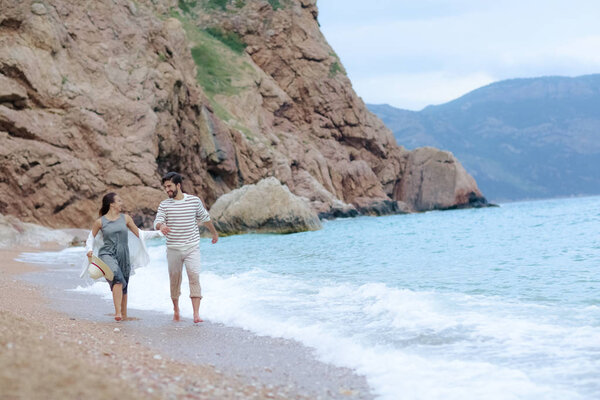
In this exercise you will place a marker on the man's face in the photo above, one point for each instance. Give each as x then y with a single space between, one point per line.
171 189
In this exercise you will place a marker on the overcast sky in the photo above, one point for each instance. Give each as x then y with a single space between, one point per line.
412 53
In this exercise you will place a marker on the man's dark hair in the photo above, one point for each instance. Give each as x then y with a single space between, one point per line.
173 177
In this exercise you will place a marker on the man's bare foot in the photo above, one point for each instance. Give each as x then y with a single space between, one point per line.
197 319
176 315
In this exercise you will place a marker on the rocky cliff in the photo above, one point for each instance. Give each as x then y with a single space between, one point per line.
109 94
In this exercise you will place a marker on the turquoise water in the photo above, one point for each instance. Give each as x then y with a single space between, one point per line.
497 303
546 252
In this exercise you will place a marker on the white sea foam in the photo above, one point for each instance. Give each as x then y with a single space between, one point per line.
69 257
418 344
413 344
350 326
16 233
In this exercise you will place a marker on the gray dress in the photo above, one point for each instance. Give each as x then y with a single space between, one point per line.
115 251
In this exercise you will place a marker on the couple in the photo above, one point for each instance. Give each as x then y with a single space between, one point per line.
177 218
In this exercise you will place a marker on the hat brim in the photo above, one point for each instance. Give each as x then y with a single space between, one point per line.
105 270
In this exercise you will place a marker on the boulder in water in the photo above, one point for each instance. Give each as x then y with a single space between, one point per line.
266 207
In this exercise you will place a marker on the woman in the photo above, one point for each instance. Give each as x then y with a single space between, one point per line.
115 250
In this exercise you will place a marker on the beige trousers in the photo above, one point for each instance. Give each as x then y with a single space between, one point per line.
176 259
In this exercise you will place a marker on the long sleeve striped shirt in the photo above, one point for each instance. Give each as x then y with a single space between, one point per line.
182 217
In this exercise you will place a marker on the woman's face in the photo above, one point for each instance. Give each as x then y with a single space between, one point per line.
117 205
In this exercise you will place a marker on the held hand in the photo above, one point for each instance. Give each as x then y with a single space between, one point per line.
215 238
164 229
89 254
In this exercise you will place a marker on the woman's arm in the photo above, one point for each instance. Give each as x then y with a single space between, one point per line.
131 225
95 228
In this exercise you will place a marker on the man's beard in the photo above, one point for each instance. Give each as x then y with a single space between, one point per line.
173 194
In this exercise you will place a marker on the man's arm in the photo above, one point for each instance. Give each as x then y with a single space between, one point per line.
203 216
213 231
160 222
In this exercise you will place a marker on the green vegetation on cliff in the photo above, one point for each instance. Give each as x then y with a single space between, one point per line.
222 4
336 66
186 6
218 57
216 4
276 4
229 39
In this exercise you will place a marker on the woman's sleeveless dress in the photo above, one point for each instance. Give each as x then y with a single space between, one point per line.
115 252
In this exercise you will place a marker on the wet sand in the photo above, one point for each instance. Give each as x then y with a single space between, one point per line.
59 344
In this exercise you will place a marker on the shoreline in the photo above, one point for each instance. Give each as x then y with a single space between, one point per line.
155 356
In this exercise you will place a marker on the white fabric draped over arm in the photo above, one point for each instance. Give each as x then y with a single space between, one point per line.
138 253
92 243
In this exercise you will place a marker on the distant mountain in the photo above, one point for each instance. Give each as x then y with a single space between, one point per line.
519 138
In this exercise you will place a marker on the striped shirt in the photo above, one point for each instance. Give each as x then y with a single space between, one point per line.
182 217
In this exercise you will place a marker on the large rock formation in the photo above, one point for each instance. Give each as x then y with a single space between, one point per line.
267 207
436 180
109 94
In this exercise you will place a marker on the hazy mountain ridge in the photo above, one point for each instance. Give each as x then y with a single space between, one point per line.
520 138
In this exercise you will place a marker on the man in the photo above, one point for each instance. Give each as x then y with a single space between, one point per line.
177 218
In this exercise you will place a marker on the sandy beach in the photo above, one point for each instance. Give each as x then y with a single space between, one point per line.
64 345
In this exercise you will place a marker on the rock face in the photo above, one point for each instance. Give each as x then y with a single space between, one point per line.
109 95
84 112
267 207
436 180
317 131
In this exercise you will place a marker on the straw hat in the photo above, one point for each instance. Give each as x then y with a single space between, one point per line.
99 269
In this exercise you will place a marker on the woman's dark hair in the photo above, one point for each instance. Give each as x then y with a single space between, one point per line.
173 177
107 200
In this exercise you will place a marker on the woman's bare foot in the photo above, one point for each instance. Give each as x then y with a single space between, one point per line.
118 317
197 319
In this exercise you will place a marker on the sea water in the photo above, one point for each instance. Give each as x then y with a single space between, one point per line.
494 303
